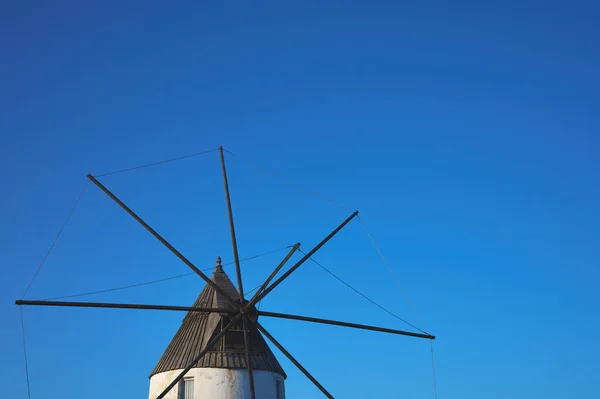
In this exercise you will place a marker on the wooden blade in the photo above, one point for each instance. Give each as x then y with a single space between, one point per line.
163 241
306 257
296 363
344 324
236 257
123 306
238 272
247 343
197 358
266 283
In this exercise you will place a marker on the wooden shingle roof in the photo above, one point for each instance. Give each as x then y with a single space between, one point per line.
197 329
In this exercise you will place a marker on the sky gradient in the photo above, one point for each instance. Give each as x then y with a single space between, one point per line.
466 134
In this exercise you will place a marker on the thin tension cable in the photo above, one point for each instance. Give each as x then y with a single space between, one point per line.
157 163
25 353
364 296
55 239
322 197
159 280
391 272
433 371
288 181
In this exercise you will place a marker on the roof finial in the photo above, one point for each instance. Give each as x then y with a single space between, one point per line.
219 268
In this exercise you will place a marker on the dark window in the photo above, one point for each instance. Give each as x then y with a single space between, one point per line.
186 388
234 341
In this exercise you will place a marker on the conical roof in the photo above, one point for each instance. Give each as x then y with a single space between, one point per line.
197 329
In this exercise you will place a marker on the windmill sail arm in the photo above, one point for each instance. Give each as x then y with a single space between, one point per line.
197 358
345 324
122 306
268 280
161 239
238 273
293 360
305 258
247 354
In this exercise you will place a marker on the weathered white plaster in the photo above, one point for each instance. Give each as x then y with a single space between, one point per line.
220 384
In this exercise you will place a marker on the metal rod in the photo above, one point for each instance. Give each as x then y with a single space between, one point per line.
236 258
247 342
197 358
296 363
266 283
122 306
344 324
307 256
162 240
238 271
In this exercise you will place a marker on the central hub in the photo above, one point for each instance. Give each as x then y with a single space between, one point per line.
251 311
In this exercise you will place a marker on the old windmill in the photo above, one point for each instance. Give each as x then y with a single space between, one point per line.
220 349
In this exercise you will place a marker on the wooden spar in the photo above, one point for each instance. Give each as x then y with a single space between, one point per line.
293 360
248 363
306 257
268 280
344 324
162 240
236 258
122 306
238 272
200 355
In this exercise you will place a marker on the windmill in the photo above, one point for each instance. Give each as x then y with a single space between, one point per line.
221 331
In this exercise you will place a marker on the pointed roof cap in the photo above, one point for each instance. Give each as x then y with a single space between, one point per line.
219 268
197 329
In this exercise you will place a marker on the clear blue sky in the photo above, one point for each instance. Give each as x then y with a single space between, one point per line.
466 133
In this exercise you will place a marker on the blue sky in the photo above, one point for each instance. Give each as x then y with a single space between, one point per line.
465 133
